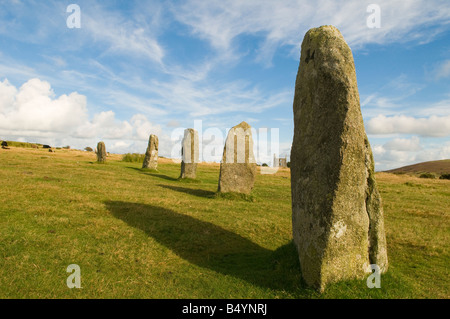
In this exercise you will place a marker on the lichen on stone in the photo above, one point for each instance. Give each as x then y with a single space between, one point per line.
337 215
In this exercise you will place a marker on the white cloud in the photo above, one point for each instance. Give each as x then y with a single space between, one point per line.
7 96
395 154
403 144
437 153
432 126
33 113
143 127
106 126
119 147
34 108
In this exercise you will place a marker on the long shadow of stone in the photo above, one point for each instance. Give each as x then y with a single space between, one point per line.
190 191
141 170
213 247
168 178
152 173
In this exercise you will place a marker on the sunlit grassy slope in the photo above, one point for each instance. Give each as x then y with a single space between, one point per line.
435 167
144 234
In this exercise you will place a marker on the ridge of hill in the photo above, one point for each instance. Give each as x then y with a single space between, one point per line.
436 167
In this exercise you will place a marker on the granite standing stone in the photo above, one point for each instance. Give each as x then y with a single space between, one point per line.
337 215
151 155
189 150
238 166
101 152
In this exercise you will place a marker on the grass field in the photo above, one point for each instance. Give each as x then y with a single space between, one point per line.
144 234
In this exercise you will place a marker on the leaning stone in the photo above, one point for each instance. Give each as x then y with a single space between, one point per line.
337 215
151 155
101 152
238 166
189 152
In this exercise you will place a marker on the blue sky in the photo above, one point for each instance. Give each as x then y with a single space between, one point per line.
141 67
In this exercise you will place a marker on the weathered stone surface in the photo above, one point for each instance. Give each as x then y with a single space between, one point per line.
101 152
238 166
337 215
151 155
189 149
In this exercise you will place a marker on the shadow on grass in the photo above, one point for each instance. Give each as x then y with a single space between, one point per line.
168 178
190 191
209 194
213 247
152 172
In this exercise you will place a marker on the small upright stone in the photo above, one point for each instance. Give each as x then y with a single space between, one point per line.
189 152
101 152
337 216
238 166
151 155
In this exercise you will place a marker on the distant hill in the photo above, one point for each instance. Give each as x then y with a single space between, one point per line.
437 167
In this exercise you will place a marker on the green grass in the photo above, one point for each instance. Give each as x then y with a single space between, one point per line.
137 233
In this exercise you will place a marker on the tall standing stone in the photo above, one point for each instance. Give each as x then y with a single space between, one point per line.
101 152
189 150
151 155
337 216
238 166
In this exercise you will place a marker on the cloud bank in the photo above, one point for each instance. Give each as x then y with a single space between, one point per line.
435 126
400 152
33 112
